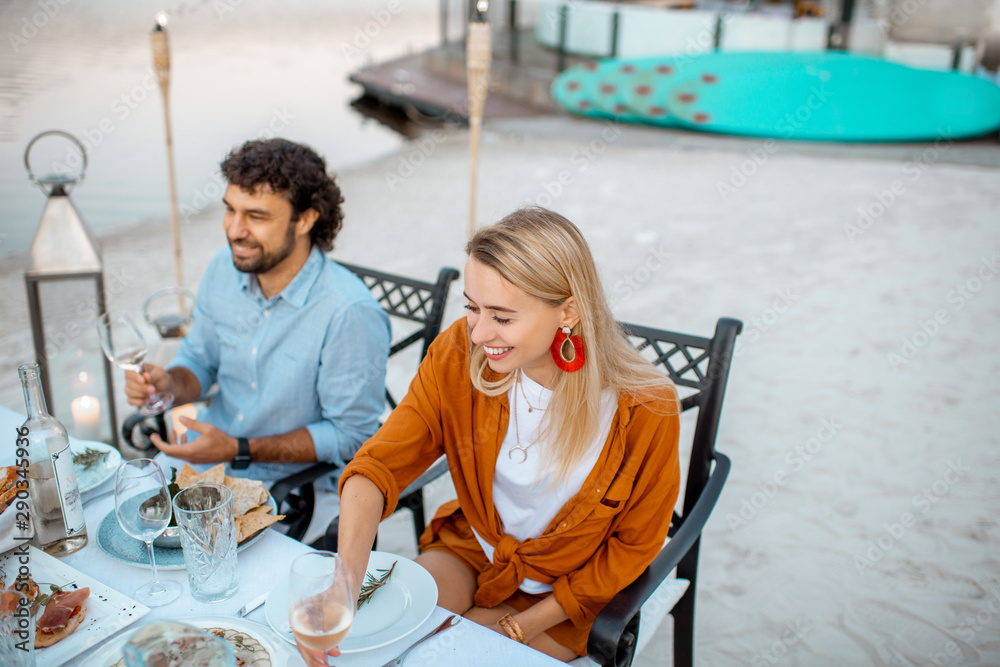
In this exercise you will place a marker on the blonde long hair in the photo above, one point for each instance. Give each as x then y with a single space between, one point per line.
543 254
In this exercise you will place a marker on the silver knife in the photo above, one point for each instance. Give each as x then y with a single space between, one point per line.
250 606
397 661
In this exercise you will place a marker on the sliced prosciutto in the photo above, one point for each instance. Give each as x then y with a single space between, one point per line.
63 613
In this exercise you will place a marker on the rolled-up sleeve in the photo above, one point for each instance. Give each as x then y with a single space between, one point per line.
351 381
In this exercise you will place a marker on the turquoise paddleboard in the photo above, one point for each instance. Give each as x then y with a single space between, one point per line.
606 90
828 96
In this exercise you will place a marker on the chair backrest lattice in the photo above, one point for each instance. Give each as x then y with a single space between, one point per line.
413 300
694 363
683 357
699 368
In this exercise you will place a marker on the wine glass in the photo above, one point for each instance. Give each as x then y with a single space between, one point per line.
320 602
170 642
170 310
125 347
143 508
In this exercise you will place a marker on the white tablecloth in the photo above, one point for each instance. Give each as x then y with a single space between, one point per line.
259 566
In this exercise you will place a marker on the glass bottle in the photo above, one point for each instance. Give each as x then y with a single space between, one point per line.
56 509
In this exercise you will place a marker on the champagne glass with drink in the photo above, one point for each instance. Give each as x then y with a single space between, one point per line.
143 509
125 347
320 602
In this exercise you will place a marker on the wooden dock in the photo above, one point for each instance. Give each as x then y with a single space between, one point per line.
433 83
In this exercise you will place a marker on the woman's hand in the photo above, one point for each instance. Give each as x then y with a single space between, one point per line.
315 658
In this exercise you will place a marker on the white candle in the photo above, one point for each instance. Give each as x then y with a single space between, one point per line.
186 410
86 417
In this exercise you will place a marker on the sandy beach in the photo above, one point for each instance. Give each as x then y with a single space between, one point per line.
859 525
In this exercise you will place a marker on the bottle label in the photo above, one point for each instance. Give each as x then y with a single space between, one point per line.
69 492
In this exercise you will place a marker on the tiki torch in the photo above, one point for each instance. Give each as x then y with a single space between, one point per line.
477 62
161 61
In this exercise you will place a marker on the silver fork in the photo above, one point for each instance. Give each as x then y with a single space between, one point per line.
395 662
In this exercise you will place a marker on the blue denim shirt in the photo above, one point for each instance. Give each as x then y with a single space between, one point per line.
313 356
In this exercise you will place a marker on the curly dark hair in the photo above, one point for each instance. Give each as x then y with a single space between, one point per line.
295 171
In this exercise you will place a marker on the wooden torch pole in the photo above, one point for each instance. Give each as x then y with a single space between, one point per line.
477 61
161 61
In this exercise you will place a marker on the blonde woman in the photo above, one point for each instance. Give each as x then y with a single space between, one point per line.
561 440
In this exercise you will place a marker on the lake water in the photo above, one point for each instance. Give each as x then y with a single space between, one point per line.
240 69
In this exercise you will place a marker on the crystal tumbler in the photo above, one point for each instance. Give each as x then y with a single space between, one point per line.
208 539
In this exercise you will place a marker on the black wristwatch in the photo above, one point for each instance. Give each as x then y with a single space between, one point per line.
243 459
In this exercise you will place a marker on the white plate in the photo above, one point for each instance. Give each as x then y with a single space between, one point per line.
395 610
108 611
281 655
87 480
98 474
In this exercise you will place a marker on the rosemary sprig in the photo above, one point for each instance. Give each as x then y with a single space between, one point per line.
88 458
372 584
45 598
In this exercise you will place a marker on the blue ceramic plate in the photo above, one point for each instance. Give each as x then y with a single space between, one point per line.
116 543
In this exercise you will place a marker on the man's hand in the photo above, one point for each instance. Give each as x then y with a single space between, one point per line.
316 658
211 446
152 380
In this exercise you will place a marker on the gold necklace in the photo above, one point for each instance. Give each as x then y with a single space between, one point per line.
531 408
522 450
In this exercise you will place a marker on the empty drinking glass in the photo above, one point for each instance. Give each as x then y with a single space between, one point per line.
208 539
17 648
142 506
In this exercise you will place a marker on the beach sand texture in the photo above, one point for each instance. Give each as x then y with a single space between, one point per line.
859 525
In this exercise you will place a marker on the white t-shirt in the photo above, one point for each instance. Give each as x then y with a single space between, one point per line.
521 492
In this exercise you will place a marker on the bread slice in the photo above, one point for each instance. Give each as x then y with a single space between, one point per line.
247 494
8 478
254 521
188 477
7 497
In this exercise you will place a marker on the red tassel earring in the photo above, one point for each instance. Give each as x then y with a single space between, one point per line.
574 363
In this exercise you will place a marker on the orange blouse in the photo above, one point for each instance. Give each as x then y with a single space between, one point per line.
597 544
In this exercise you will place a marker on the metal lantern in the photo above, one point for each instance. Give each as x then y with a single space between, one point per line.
65 283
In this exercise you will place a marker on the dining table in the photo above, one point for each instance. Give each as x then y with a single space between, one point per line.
261 565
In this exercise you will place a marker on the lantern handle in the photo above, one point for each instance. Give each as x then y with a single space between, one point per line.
66 135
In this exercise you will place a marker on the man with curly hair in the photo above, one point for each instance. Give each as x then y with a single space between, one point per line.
295 342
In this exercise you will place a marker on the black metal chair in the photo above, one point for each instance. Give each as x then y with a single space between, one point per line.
700 369
140 425
701 365
415 301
